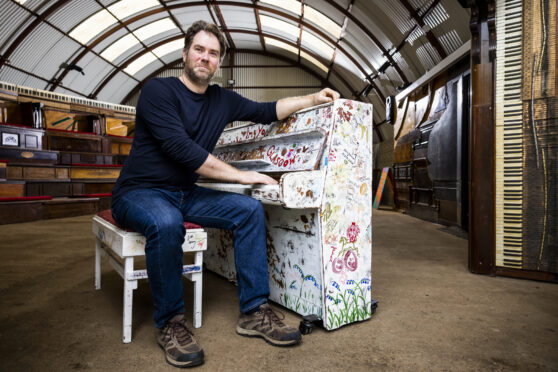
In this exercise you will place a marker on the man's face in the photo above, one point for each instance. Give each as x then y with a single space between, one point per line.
202 59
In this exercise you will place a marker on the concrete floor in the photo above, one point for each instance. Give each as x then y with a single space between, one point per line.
433 314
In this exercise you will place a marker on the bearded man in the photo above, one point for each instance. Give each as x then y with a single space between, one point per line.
178 123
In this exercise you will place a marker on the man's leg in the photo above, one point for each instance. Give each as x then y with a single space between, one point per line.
245 216
154 213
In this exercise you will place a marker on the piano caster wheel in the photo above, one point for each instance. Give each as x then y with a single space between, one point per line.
307 323
374 305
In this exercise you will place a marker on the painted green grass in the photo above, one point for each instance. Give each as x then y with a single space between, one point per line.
305 301
351 302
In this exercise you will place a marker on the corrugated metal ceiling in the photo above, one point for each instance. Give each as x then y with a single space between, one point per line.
383 43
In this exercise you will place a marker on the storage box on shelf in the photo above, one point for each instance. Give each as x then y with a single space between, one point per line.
66 149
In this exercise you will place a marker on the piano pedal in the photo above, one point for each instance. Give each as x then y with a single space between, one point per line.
307 323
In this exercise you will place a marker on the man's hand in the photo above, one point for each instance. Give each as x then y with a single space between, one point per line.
325 95
288 106
252 177
218 170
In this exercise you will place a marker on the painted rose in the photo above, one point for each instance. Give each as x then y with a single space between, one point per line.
352 232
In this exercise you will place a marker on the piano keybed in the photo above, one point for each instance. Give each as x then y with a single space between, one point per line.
509 134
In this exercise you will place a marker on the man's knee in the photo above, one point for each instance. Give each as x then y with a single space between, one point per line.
168 226
253 208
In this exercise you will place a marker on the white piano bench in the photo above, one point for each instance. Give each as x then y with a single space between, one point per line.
112 239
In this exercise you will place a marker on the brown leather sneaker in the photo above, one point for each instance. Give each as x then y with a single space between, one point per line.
265 323
181 349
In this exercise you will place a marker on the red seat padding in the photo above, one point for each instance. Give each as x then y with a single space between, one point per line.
107 216
24 198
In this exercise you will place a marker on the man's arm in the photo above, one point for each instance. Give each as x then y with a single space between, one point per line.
219 170
287 106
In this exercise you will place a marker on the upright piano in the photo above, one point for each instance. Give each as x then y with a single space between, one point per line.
319 215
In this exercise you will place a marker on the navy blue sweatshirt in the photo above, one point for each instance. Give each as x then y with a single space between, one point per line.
176 129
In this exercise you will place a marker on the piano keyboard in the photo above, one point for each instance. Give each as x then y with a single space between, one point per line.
509 139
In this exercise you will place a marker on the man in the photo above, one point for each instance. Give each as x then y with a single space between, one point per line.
178 123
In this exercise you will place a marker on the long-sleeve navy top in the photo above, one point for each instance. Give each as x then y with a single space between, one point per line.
176 129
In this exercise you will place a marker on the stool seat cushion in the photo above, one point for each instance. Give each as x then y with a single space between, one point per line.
107 216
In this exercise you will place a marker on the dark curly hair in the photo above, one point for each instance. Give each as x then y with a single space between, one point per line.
207 27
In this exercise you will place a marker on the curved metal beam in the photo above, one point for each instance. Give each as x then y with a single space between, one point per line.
231 3
372 37
429 34
150 48
13 46
251 51
112 31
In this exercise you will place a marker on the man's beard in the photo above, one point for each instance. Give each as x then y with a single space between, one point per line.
196 79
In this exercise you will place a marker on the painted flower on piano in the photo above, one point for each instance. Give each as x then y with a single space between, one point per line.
352 232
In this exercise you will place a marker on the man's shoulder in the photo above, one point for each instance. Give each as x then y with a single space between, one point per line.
160 82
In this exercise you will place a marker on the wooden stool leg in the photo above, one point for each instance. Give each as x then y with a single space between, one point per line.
97 264
129 286
198 283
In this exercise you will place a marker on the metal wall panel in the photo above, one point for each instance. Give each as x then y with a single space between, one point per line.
34 5
450 41
61 52
281 76
187 16
428 56
13 76
359 41
96 70
243 59
239 17
411 73
109 40
146 71
337 83
73 13
147 20
247 43
343 63
397 13
117 88
413 36
33 82
172 57
437 16
162 36
281 52
138 48
13 19
328 10
311 66
32 50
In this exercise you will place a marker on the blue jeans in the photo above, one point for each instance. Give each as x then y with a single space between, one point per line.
158 214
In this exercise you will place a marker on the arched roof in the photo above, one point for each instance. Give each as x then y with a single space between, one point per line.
106 49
